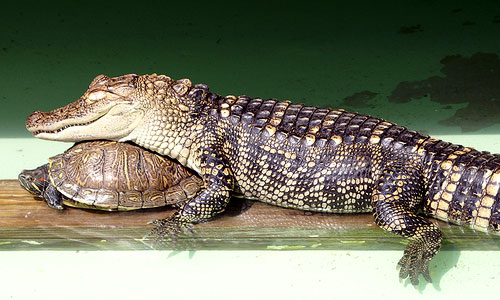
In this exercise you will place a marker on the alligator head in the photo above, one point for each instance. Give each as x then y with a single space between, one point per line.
117 108
106 110
153 111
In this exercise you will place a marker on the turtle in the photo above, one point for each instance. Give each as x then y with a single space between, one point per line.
109 175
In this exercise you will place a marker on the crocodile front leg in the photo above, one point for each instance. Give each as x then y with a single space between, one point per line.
395 201
219 182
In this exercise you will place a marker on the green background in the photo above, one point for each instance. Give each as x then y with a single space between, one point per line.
352 54
430 65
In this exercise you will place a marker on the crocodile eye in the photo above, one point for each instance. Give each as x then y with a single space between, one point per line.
94 96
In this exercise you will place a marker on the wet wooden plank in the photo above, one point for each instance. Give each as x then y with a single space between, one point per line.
29 224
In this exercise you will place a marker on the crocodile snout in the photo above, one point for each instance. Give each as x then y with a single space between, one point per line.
33 119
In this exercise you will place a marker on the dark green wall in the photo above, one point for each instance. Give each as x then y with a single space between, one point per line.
357 55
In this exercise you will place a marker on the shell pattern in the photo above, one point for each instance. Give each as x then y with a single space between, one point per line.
120 176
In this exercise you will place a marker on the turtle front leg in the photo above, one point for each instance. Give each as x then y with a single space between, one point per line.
395 201
53 197
212 200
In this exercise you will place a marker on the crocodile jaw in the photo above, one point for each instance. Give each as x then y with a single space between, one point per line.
114 123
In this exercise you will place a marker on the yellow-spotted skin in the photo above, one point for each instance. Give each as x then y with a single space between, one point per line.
293 156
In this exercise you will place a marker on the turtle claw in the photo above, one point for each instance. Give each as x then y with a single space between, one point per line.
416 259
55 205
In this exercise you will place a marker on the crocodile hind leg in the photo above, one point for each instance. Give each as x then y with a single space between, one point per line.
395 201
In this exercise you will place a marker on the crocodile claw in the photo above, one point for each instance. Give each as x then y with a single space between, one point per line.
416 259
167 230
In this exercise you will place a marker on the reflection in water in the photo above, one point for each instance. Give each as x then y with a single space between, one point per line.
473 80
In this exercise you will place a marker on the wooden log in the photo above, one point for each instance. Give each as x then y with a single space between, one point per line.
29 224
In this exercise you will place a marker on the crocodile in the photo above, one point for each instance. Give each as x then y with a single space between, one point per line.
290 155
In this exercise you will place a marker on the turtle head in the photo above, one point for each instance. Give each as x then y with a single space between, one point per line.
35 181
109 109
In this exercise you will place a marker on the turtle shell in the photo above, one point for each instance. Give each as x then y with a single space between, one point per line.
120 176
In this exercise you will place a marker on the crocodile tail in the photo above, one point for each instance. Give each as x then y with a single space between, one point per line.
463 188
